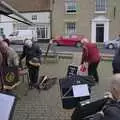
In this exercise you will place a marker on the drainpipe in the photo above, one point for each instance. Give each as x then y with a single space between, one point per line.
51 24
51 16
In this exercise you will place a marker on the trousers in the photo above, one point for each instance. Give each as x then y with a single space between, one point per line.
92 70
33 74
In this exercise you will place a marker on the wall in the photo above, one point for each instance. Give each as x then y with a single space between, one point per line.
43 18
84 16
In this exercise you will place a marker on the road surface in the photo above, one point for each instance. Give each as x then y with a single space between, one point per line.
43 46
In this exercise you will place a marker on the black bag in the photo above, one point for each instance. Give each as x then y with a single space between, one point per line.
89 110
46 83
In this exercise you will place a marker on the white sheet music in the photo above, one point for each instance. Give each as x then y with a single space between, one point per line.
80 90
6 104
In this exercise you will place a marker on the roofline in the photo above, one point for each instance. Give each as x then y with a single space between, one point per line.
11 10
35 11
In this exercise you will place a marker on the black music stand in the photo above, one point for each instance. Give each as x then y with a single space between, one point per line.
67 95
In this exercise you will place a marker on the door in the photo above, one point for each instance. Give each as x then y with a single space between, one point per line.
99 32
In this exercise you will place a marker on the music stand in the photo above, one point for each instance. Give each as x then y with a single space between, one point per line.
7 103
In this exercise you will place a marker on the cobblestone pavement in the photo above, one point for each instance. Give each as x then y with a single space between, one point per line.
47 105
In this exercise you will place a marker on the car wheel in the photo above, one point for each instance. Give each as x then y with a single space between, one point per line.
110 46
78 44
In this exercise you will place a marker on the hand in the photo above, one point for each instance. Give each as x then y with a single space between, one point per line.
101 113
34 64
108 95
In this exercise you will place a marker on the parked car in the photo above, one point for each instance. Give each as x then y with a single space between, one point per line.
111 44
71 40
19 36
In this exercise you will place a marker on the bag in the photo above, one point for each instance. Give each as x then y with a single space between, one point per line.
46 83
83 69
34 62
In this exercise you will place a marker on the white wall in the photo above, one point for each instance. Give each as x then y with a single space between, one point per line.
5 19
7 28
8 23
43 17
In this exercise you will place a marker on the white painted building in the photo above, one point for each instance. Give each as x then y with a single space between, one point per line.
40 19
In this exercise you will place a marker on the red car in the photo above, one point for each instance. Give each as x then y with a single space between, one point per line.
72 40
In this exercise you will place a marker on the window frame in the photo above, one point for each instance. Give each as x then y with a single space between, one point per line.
101 8
1 31
40 34
70 29
70 6
34 17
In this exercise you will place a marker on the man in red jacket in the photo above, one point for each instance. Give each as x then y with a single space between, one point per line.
91 55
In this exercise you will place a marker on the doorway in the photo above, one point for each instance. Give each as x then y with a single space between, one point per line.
100 29
99 32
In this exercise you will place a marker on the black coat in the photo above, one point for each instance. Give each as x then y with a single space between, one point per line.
110 108
116 62
112 112
30 53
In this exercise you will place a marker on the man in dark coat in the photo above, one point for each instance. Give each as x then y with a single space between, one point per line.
116 62
32 52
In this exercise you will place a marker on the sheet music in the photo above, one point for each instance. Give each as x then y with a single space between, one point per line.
80 90
6 104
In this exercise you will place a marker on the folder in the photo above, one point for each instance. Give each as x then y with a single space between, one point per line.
7 105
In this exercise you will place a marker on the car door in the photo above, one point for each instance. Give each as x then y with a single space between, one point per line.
65 40
73 40
60 40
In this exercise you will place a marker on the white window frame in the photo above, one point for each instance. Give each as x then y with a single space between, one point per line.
34 17
70 6
100 20
1 31
70 29
101 6
20 26
45 27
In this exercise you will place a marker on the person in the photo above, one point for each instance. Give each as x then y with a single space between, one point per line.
116 62
32 52
3 60
91 55
110 105
12 57
4 52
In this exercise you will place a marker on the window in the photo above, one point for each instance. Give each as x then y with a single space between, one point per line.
70 6
34 17
42 32
70 28
101 5
21 26
1 31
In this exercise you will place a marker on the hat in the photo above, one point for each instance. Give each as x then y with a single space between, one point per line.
28 43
